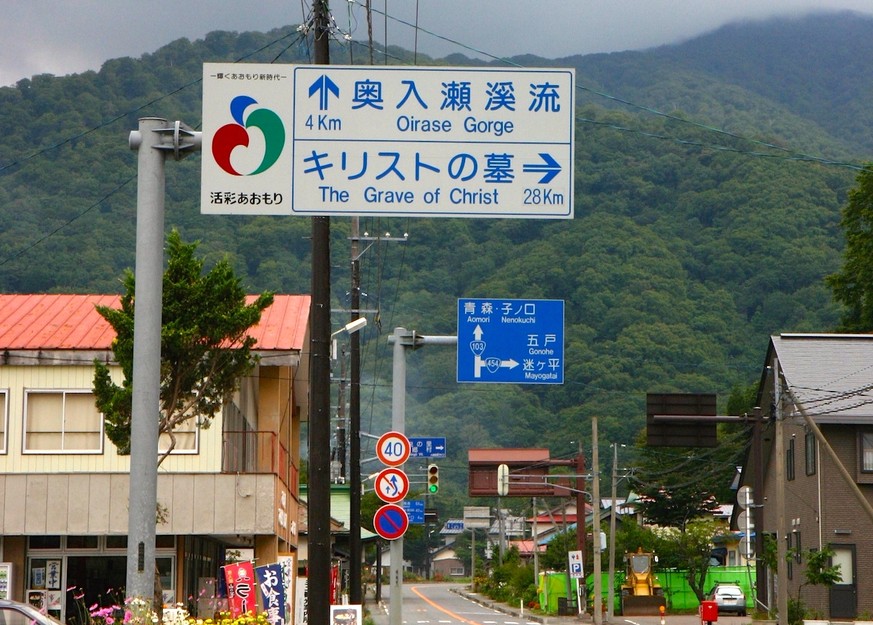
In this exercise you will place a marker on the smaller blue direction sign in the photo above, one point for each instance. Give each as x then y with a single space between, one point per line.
427 446
511 341
414 510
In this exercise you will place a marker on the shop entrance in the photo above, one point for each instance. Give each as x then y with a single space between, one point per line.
93 580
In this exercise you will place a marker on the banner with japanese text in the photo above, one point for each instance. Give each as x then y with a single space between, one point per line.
240 579
272 587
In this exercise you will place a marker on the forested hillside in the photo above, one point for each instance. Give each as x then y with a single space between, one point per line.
709 182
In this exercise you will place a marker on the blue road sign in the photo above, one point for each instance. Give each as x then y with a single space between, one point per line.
511 341
427 446
414 510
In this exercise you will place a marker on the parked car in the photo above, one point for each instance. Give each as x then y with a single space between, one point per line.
14 613
728 598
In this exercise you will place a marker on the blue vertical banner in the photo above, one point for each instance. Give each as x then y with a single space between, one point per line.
272 587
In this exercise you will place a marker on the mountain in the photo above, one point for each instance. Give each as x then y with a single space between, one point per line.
709 181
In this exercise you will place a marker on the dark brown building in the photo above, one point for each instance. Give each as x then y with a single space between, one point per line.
826 384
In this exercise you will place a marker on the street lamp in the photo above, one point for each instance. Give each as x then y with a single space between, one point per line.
351 327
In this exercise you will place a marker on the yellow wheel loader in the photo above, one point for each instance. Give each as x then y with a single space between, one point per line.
641 594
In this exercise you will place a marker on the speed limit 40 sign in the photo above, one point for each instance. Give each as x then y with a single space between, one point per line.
393 449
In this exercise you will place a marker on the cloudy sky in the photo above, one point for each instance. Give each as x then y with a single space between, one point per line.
68 36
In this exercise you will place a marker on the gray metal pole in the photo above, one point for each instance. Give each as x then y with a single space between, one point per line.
403 339
154 140
398 424
142 505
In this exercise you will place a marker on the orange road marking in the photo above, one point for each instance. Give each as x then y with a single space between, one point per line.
442 609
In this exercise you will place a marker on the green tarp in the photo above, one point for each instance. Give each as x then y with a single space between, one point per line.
553 586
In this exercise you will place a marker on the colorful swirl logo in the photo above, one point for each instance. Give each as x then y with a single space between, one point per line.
231 136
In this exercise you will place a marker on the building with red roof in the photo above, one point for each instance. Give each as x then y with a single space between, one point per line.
64 487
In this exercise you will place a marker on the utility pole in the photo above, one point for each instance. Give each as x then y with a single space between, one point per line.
153 141
610 595
781 547
536 541
355 547
318 505
597 608
761 595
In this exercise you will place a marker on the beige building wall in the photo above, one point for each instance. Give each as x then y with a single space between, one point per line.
17 380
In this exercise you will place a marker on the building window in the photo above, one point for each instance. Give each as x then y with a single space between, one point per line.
62 422
187 438
4 420
789 460
867 452
809 449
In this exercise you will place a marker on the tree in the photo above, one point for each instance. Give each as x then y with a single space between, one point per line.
690 549
205 348
820 571
555 557
852 286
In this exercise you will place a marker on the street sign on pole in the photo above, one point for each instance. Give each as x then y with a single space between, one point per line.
392 449
427 446
575 560
415 510
247 111
511 341
390 521
392 485
503 480
388 141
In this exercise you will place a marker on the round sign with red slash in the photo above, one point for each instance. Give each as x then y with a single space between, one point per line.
390 521
392 485
393 449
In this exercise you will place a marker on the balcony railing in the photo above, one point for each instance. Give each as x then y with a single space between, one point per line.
258 452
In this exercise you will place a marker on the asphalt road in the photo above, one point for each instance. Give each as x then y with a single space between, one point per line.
443 604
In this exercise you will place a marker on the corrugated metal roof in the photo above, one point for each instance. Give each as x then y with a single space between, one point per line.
831 375
58 322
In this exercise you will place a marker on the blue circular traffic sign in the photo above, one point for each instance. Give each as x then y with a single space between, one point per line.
390 521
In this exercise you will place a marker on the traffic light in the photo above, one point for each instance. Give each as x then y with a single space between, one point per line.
433 479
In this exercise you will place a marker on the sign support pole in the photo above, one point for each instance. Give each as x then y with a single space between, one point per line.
398 424
403 339
154 141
